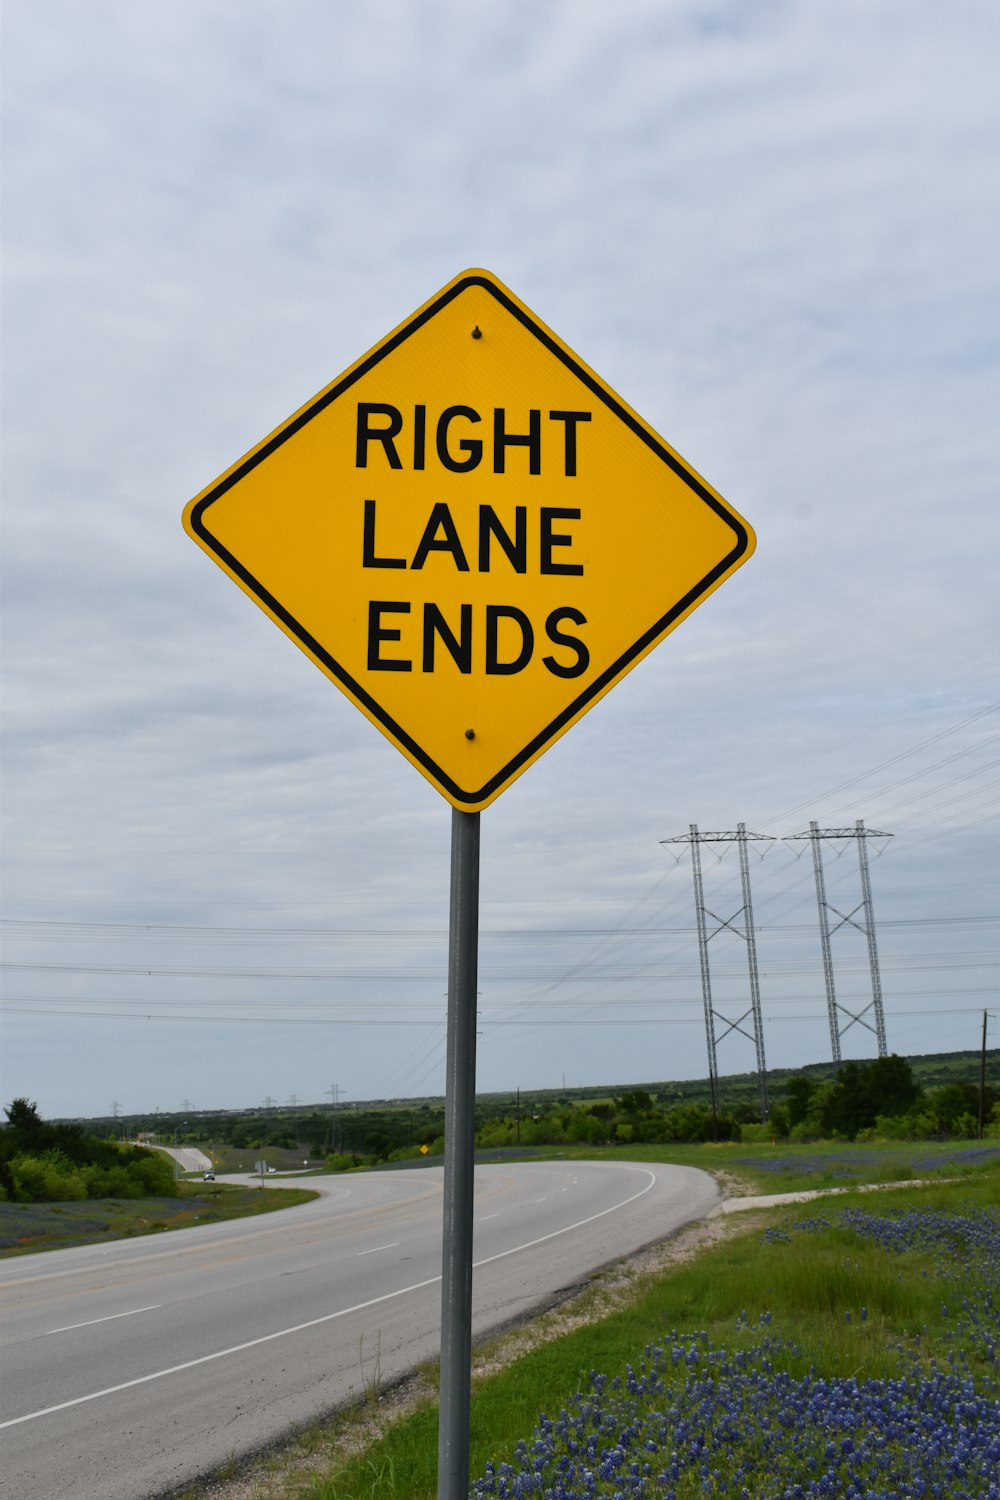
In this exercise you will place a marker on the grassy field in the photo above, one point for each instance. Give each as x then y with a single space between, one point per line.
783 1168
743 1168
851 1341
26 1227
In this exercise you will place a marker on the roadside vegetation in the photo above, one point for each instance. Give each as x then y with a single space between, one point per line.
28 1227
877 1100
846 1347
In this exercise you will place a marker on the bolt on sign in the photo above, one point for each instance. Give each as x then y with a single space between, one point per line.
472 535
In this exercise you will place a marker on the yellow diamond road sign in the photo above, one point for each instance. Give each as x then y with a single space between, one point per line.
472 535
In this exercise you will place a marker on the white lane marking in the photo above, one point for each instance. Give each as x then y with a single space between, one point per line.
376 1248
484 1217
267 1338
580 1223
68 1328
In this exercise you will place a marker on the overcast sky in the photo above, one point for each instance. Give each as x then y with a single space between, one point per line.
772 229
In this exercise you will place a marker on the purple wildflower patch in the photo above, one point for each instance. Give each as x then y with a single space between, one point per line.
696 1420
856 1163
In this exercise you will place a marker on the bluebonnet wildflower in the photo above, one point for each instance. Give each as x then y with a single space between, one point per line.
852 1163
692 1419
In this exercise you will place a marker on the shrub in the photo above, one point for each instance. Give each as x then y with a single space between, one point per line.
155 1174
340 1161
52 1177
497 1133
585 1127
46 1179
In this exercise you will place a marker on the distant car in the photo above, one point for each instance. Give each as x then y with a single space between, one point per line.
209 1177
272 1169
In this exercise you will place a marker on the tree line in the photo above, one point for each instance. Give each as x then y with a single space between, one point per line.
880 1099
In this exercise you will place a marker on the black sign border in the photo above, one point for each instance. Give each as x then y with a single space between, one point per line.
457 794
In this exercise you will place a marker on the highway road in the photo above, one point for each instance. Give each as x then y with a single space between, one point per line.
188 1158
129 1369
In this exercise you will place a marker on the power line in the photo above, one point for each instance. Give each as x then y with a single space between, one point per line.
653 968
290 1020
65 931
854 781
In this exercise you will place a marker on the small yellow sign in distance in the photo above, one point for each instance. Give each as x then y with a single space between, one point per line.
471 535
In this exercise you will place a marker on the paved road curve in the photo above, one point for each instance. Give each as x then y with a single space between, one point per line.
131 1368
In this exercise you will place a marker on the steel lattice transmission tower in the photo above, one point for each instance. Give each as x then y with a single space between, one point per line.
835 1007
714 1018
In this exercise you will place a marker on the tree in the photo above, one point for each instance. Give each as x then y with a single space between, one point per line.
892 1086
849 1107
23 1115
28 1131
798 1096
584 1127
866 1090
955 1108
635 1102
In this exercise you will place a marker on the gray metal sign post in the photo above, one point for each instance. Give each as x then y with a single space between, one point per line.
459 1160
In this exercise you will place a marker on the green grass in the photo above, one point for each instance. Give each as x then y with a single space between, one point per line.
751 1169
28 1227
821 1164
808 1286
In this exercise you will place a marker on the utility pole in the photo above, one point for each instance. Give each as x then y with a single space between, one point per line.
714 1017
982 1080
334 1092
836 1008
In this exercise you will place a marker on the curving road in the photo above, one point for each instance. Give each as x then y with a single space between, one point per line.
188 1158
130 1368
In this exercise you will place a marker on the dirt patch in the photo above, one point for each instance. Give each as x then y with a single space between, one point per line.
731 1185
